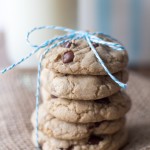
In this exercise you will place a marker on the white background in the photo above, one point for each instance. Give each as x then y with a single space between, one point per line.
1 15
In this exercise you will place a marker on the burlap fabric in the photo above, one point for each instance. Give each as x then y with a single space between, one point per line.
17 101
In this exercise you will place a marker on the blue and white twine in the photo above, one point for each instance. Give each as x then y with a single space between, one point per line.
54 42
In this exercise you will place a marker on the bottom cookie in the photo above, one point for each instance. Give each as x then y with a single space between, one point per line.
103 142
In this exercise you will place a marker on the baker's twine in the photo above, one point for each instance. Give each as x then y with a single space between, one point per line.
59 40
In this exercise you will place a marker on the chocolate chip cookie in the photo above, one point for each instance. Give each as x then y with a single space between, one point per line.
81 87
110 108
76 57
103 142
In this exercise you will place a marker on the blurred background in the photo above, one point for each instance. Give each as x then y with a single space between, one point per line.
126 20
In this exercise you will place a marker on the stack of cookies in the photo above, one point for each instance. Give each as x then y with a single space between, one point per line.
83 108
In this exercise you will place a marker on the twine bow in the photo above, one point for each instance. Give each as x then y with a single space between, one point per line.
56 41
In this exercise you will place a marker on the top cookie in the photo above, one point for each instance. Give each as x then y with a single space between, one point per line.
76 57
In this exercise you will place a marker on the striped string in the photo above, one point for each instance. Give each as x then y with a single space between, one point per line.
59 40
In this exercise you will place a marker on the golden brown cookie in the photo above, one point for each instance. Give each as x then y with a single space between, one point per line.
80 87
110 108
77 58
103 142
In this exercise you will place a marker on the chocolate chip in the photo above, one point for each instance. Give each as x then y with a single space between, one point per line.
94 140
53 96
91 127
69 148
103 101
68 57
95 125
68 44
95 44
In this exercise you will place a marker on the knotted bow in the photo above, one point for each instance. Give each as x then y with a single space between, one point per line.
59 40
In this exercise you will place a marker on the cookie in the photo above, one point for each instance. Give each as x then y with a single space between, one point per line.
76 57
53 127
111 108
103 142
82 87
